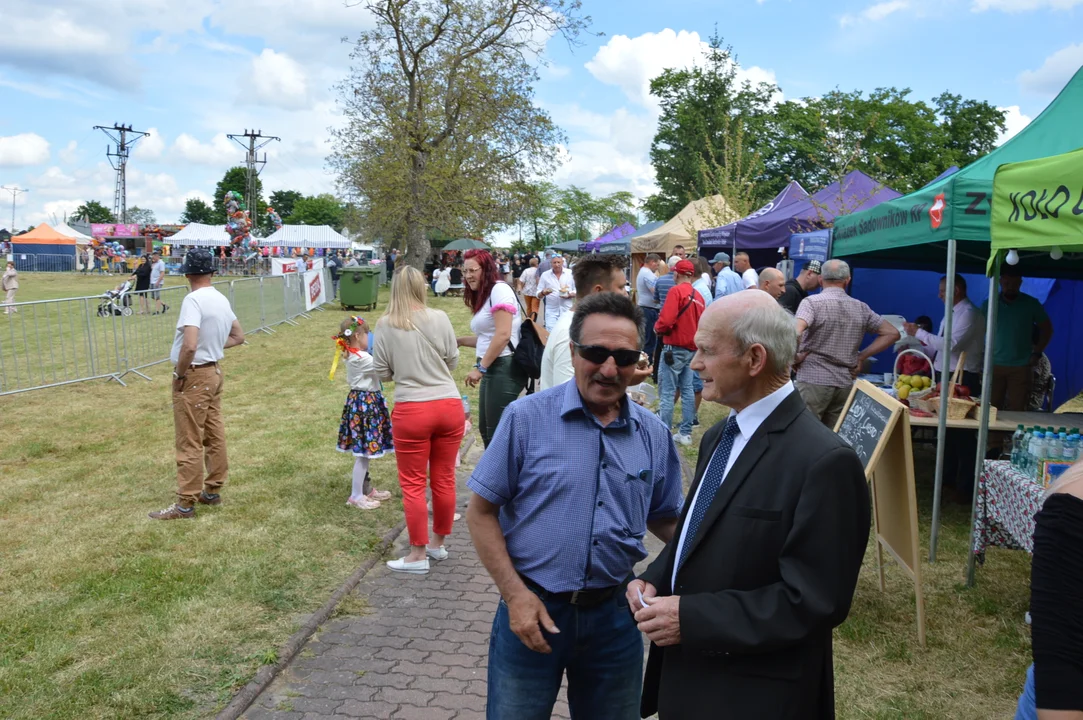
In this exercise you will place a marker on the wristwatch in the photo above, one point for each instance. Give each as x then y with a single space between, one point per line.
178 377
481 368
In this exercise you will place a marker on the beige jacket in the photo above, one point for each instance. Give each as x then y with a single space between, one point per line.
10 280
418 361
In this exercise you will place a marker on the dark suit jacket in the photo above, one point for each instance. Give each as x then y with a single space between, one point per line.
770 572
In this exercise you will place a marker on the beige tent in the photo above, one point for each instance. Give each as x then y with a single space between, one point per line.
698 215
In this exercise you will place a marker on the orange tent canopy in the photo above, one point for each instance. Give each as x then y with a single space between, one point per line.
42 235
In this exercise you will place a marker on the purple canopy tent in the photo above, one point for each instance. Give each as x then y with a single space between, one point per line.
616 233
771 226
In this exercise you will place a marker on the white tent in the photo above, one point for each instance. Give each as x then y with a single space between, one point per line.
200 235
306 236
65 229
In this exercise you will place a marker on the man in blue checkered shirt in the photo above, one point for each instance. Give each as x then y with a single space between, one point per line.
559 524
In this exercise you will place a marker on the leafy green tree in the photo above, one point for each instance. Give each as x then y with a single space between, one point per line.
441 124
236 179
198 211
283 202
139 216
94 212
699 105
322 209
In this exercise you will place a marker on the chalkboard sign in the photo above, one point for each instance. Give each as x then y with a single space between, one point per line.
865 421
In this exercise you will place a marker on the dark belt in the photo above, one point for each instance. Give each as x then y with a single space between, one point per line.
579 598
210 364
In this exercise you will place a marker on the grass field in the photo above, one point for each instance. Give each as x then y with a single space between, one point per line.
105 614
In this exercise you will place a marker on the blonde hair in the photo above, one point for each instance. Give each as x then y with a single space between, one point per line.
408 290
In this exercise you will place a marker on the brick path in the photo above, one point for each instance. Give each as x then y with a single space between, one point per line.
420 652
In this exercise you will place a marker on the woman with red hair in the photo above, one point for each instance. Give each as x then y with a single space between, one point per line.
496 331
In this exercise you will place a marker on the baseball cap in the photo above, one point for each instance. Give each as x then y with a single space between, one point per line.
720 257
814 266
197 262
685 267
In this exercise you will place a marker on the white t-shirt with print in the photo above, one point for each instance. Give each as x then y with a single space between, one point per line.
483 326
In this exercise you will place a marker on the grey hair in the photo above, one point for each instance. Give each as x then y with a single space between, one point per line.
772 327
835 271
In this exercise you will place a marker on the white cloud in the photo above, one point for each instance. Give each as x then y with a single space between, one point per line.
70 154
308 29
150 147
1014 121
631 63
1054 73
278 80
220 151
23 149
1015 6
875 13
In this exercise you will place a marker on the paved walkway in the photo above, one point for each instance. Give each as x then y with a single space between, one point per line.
420 652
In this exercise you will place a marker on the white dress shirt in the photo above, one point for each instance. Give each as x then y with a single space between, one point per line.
748 422
556 366
967 333
555 305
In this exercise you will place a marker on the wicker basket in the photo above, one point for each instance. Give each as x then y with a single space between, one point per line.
916 399
957 408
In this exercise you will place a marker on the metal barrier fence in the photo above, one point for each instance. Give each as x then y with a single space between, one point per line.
28 262
58 342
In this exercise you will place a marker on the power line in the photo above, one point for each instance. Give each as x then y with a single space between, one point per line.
124 145
252 160
14 190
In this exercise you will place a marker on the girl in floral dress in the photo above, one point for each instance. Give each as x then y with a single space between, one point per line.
365 430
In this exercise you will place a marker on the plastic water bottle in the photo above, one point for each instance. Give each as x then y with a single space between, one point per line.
1071 448
1054 448
1017 446
1035 454
466 405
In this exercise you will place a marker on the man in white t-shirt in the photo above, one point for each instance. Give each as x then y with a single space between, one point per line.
593 274
205 328
157 279
743 266
557 289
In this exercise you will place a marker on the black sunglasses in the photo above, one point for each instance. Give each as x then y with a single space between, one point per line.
598 355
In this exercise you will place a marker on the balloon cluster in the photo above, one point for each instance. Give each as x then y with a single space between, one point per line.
276 219
238 224
113 249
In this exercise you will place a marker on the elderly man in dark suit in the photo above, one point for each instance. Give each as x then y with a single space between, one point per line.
740 605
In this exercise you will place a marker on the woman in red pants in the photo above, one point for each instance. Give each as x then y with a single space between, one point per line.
415 347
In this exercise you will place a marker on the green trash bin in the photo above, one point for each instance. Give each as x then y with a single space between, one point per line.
358 287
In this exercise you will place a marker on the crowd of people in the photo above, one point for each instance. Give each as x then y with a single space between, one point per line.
761 556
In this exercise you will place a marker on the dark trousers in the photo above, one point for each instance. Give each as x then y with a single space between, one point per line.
650 339
499 387
599 648
961 451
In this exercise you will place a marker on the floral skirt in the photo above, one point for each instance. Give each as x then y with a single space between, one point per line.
366 425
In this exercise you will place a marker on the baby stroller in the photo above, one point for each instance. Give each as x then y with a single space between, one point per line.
116 301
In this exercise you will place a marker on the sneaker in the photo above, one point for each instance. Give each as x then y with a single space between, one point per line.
379 495
173 512
206 498
685 440
363 503
695 421
436 553
421 567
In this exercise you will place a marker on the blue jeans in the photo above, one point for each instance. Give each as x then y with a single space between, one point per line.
671 378
599 648
650 339
1027 709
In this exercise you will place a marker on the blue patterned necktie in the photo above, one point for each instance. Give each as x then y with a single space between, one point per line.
712 480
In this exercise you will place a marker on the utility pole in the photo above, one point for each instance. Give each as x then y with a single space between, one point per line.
15 191
119 160
250 141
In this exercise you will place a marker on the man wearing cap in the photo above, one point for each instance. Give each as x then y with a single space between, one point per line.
676 327
799 288
205 328
726 282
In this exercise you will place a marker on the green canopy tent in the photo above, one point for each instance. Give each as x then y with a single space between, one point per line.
949 222
1038 216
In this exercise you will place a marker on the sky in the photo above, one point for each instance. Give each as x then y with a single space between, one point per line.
191 72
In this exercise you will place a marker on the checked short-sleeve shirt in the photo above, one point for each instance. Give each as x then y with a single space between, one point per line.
837 323
575 500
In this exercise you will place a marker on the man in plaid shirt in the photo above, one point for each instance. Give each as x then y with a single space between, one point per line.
832 325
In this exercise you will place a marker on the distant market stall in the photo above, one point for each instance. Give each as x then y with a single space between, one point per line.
683 227
200 235
306 236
